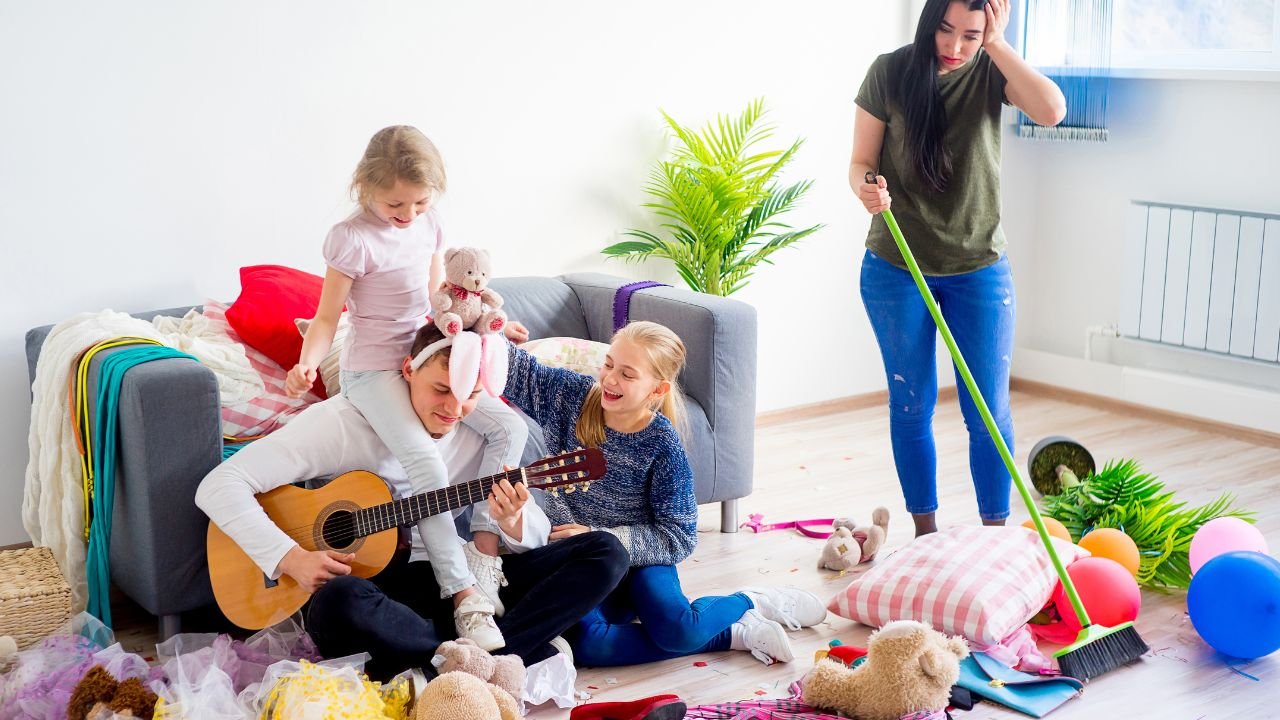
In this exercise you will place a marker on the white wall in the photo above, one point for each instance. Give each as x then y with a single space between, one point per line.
149 149
1211 144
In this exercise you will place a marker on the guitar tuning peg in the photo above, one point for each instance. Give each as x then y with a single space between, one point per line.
554 491
584 486
568 489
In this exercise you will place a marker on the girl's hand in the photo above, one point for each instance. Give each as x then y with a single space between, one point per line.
516 332
560 532
875 196
997 20
299 380
506 506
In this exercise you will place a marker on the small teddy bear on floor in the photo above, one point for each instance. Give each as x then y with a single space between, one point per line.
465 301
910 667
851 545
459 696
463 655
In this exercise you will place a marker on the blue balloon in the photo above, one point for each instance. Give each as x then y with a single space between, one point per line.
1234 603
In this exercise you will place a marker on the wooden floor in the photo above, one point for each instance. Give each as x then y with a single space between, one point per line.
840 464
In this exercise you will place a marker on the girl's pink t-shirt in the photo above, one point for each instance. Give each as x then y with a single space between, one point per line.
390 295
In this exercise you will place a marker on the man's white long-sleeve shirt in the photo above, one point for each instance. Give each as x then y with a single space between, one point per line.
324 441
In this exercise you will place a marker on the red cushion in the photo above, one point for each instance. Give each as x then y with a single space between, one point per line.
271 297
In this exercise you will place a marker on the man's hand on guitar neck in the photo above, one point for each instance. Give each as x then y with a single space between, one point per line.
506 506
314 568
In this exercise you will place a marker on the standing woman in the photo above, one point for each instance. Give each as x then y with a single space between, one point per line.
928 130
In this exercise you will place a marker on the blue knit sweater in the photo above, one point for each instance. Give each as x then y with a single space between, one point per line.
646 496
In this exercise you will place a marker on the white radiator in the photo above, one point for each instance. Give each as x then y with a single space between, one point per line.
1204 279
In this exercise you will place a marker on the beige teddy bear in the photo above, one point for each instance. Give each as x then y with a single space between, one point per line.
910 667
464 301
459 696
850 544
463 655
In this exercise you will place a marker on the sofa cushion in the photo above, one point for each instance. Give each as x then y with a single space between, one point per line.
271 297
585 357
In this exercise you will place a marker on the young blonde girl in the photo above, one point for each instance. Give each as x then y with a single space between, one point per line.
646 499
382 262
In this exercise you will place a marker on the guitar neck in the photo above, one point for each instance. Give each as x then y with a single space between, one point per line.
408 511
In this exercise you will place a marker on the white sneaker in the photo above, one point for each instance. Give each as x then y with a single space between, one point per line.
562 646
764 638
488 573
474 620
789 606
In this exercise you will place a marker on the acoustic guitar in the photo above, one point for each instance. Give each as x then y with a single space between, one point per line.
354 513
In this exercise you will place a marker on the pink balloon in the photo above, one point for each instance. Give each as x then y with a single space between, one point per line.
1223 535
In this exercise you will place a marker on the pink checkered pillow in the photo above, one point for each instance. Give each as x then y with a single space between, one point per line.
270 410
980 582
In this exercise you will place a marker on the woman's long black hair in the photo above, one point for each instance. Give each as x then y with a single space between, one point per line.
922 101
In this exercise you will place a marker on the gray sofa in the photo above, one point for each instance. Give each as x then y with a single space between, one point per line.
171 436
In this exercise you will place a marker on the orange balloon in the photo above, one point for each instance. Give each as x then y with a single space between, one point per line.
1055 528
1113 544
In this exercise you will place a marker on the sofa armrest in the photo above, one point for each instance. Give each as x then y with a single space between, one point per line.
170 434
719 333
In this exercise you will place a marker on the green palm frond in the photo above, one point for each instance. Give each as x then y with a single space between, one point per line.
1122 496
717 201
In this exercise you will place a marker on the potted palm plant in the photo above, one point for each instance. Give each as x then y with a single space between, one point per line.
718 198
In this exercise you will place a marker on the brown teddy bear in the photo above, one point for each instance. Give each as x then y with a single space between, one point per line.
910 668
464 301
463 655
98 690
851 545
459 696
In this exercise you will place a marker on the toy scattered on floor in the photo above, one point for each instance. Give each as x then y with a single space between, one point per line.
820 528
1234 603
463 655
657 707
465 301
99 691
1055 528
910 668
1223 535
460 696
1113 544
850 656
851 544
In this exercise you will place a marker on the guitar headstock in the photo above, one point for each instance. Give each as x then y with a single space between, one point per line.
574 469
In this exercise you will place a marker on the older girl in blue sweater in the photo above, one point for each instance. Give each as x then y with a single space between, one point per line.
646 499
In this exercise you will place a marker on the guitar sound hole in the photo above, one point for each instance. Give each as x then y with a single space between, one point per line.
339 530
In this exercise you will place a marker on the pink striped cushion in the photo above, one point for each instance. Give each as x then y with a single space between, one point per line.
980 582
268 411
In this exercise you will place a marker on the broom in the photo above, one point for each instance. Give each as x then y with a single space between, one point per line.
1097 649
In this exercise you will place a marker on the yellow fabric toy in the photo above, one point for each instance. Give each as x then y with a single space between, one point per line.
319 693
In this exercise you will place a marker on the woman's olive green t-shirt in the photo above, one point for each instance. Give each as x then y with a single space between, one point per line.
958 230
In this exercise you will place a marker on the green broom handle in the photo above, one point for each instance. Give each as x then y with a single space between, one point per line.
986 414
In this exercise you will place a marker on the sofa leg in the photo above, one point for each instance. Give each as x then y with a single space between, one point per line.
170 625
729 516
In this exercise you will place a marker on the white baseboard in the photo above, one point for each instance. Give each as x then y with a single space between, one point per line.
1213 400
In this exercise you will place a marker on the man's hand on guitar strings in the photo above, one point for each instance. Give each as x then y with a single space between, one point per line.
506 506
312 569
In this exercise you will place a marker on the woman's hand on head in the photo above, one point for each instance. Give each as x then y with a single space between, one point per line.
875 196
997 20
299 380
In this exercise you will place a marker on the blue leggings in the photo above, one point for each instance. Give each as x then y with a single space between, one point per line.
979 308
670 626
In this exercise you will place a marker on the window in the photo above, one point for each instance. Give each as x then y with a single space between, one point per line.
1167 38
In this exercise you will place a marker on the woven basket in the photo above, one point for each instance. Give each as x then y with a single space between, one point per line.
34 599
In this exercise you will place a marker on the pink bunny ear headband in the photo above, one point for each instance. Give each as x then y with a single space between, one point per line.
474 357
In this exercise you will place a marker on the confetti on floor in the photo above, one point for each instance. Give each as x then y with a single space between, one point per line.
700 663
611 681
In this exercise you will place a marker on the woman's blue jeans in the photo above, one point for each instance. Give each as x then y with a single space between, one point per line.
979 308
